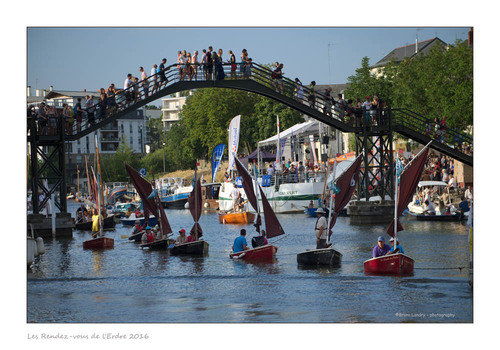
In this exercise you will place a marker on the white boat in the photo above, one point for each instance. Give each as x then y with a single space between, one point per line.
418 207
173 193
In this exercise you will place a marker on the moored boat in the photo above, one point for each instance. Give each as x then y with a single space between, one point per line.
130 221
99 243
444 218
173 194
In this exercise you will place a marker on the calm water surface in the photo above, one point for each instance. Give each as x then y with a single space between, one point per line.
126 284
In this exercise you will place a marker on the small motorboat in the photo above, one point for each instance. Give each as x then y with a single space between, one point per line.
393 264
265 252
236 218
130 221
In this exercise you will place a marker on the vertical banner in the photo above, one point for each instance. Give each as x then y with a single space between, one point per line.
234 139
313 150
216 158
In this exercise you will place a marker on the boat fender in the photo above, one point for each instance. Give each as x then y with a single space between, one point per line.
40 246
206 205
186 206
224 220
240 256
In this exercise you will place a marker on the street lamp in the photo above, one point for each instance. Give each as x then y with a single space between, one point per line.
163 157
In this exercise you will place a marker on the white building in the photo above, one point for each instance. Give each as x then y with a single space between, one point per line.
171 107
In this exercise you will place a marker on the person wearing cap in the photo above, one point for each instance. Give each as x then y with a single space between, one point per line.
397 248
240 243
182 237
148 236
381 248
321 229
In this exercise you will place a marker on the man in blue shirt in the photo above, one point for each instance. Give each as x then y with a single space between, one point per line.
463 205
240 243
397 249
381 248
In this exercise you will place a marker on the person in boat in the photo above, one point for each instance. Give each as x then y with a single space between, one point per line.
311 205
240 243
182 237
148 236
95 221
381 248
321 229
234 195
441 207
138 214
395 248
82 210
128 212
79 217
430 208
193 236
137 227
259 241
239 203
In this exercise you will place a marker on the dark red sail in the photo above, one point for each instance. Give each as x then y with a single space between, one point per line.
144 189
408 182
248 187
347 184
195 205
273 226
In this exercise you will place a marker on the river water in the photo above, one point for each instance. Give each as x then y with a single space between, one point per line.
128 285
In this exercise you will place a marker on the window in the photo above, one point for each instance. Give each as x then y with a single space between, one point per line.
131 129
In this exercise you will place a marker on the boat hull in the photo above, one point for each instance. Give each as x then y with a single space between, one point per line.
175 201
131 222
190 248
394 264
446 218
99 243
109 223
320 257
161 244
137 237
265 252
236 218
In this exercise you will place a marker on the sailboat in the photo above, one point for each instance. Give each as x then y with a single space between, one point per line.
198 246
273 225
346 183
400 264
99 241
152 204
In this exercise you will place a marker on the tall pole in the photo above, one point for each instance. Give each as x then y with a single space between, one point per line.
163 157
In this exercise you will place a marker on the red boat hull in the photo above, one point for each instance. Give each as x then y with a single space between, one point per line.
99 243
394 264
265 252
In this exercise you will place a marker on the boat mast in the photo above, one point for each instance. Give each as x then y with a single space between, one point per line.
100 193
278 148
158 203
396 187
332 201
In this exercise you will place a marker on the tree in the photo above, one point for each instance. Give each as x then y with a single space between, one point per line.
155 133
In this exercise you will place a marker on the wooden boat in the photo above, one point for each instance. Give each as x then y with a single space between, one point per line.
108 223
264 252
399 264
272 224
160 244
346 184
236 218
199 247
196 247
152 204
99 243
324 256
393 264
136 237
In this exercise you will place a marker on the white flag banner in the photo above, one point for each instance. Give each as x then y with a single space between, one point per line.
311 138
234 139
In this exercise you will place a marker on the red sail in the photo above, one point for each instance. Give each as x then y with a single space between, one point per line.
144 189
347 184
247 184
248 187
195 205
408 182
273 226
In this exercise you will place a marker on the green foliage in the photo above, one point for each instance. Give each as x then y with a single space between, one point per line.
434 85
155 133
113 165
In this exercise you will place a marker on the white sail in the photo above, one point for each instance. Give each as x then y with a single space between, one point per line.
234 139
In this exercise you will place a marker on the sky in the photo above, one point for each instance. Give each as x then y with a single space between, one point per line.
77 58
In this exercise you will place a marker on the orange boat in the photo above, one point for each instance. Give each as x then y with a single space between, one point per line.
237 218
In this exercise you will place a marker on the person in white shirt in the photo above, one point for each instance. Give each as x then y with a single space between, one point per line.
468 194
234 196
126 85
431 209
270 170
321 229
154 70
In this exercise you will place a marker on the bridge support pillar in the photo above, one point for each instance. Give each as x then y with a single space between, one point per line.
362 212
